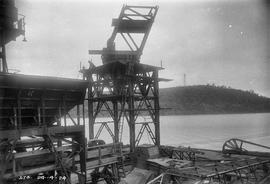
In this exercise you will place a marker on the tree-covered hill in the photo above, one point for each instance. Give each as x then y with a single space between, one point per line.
210 99
206 99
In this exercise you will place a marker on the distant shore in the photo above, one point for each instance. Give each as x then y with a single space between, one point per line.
206 100
209 99
195 114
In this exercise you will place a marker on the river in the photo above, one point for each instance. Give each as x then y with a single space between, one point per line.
206 131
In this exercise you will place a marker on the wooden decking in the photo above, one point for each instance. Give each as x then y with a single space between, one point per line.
210 166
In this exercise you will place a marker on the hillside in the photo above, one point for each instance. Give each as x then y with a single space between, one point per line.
206 99
209 99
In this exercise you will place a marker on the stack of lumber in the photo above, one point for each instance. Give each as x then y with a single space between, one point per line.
145 152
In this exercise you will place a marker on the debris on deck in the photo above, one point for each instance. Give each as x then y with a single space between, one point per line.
138 176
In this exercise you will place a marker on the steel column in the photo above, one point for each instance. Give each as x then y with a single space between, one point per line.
131 116
91 119
156 107
116 122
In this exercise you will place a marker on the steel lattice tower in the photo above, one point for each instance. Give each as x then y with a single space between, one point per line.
122 86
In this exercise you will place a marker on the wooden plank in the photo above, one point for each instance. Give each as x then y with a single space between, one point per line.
211 155
39 152
95 153
122 52
30 108
155 7
116 145
41 131
31 141
95 163
249 153
104 161
36 99
41 89
36 161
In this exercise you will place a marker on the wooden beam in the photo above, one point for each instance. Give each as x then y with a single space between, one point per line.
95 153
147 7
104 161
41 131
39 152
119 52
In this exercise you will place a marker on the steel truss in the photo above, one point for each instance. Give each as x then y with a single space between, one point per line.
132 22
124 88
125 97
185 154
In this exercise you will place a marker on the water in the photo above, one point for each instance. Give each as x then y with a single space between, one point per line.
205 131
211 131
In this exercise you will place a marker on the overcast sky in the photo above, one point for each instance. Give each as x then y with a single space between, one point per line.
222 42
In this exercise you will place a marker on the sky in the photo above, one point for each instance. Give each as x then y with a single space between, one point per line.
221 42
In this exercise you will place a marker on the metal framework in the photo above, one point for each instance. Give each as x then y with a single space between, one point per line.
239 146
133 22
34 134
237 167
36 142
40 141
123 87
185 154
244 171
125 91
